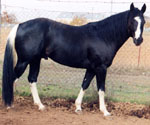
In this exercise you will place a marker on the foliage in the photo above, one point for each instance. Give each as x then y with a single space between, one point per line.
77 21
8 18
147 24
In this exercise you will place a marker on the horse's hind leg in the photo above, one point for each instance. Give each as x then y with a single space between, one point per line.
85 84
33 74
19 70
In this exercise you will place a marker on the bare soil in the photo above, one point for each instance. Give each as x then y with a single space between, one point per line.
61 112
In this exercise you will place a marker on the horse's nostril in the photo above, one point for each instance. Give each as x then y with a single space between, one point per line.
140 40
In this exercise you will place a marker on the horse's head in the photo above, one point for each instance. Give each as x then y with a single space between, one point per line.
136 23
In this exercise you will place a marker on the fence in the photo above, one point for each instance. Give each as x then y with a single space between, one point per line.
128 77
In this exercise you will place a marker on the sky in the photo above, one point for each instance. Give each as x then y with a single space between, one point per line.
67 5
85 6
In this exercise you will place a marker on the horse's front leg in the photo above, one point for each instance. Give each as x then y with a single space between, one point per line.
85 84
33 74
100 78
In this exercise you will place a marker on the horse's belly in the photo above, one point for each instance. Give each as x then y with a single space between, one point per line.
72 62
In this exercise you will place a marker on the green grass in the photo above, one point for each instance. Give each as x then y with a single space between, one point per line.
125 92
120 92
57 91
116 93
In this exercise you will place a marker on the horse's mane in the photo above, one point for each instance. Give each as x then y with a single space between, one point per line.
112 27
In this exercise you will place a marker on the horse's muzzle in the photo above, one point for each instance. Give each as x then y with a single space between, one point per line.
138 41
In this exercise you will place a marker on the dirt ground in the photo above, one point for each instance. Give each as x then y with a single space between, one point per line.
61 112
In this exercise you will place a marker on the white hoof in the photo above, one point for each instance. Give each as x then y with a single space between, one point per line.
78 107
78 110
107 113
8 107
41 107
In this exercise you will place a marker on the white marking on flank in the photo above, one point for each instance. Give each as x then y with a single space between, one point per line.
11 40
78 101
138 30
16 80
102 103
35 95
12 35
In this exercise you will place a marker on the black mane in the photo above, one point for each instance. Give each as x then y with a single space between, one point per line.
112 29
113 26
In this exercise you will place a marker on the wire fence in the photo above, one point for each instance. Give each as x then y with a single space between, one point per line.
128 77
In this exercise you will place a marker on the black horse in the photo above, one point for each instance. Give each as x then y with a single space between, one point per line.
91 46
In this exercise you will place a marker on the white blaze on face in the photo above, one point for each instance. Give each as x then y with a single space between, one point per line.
138 29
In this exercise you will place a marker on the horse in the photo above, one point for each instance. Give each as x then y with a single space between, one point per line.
92 46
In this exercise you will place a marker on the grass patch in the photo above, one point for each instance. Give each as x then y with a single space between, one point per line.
115 93
125 92
56 91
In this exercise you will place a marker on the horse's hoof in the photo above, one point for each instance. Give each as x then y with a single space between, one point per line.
107 114
42 108
78 111
8 107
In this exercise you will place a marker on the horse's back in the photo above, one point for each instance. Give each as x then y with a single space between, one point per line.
43 38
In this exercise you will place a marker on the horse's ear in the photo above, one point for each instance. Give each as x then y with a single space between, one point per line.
131 7
143 8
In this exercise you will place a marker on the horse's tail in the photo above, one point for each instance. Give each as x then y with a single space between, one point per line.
8 68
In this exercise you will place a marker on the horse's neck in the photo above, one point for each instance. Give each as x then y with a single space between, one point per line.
121 38
115 31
